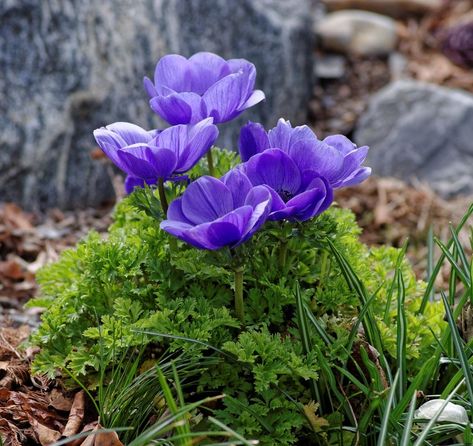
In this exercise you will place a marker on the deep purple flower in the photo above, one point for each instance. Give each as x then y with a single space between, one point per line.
336 158
188 90
296 194
457 43
147 156
214 213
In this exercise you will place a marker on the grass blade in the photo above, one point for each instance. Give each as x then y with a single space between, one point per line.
406 434
458 343
383 434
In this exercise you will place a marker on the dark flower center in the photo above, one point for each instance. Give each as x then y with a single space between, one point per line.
285 195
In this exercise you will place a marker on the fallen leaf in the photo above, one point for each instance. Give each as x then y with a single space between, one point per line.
46 436
59 401
76 416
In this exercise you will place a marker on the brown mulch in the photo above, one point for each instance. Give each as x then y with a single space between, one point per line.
391 211
35 410
28 242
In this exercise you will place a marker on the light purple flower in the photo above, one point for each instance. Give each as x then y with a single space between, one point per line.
296 194
205 85
213 213
147 156
335 158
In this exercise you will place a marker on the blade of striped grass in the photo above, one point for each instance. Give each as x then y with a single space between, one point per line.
183 427
438 265
451 259
459 349
395 281
383 434
401 336
430 261
369 322
162 426
306 344
406 434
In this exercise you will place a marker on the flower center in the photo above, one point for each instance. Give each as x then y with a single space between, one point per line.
285 195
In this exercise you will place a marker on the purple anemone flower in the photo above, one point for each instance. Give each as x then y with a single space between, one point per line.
214 213
189 90
148 156
296 194
336 158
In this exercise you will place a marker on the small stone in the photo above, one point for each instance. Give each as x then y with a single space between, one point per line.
397 65
358 32
330 66
420 131
393 8
453 413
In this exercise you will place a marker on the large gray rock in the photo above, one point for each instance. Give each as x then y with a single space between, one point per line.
70 66
421 131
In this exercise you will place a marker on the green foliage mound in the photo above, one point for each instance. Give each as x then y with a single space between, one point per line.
137 287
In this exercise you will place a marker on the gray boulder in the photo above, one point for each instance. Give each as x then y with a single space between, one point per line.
421 131
71 66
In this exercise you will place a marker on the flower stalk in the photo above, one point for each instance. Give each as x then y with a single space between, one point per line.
239 305
283 254
210 163
162 196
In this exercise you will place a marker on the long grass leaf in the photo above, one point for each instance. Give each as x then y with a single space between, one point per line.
406 434
438 265
459 348
383 434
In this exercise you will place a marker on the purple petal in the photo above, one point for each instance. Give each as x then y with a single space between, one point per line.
239 186
147 162
259 198
352 162
224 97
255 98
175 211
275 169
183 231
149 87
357 177
135 162
240 65
305 153
172 71
341 143
328 161
132 182
283 135
175 138
201 138
222 233
179 108
164 162
310 202
253 140
206 199
207 68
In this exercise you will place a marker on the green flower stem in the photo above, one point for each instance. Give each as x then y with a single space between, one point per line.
283 255
239 306
210 162
162 196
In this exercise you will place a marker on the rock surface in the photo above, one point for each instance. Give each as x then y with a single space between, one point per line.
421 131
358 32
71 66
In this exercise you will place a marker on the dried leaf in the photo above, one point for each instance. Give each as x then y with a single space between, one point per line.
45 435
59 401
76 416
